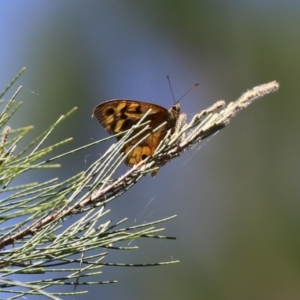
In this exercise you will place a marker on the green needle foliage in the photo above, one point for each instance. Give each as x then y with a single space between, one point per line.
33 237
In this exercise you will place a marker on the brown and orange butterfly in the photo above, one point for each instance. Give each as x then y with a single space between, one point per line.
121 114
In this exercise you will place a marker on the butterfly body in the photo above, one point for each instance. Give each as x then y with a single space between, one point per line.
121 114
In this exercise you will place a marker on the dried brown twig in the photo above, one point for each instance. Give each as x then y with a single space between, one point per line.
31 214
202 125
103 189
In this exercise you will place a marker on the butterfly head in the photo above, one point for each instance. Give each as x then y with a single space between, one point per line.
175 110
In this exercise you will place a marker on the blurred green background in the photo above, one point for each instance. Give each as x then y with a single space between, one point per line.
237 200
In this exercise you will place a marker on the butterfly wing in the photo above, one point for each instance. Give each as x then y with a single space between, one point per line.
120 115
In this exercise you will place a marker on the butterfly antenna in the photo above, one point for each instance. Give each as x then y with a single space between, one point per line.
193 86
171 88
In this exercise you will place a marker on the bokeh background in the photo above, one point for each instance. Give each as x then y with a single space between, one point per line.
237 195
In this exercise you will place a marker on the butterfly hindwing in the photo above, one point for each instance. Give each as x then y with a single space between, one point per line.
145 148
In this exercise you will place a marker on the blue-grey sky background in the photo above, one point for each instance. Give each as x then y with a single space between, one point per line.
237 195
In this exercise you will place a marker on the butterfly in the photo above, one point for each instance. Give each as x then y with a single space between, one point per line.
121 114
